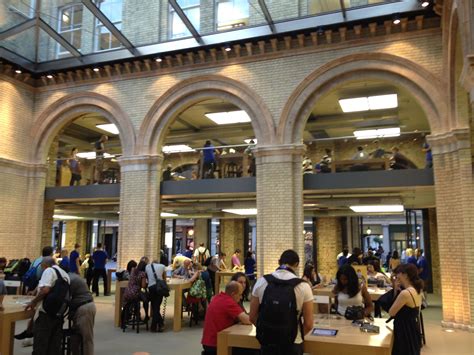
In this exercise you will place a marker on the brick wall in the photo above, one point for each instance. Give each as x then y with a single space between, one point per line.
435 262
232 237
329 238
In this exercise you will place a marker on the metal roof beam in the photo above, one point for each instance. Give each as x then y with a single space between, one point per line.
58 38
179 11
17 29
110 26
267 15
343 9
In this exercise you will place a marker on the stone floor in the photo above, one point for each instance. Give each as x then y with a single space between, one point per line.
112 341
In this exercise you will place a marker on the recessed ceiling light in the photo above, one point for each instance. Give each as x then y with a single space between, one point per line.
168 214
18 71
178 148
63 217
378 102
229 117
159 60
108 127
227 48
396 19
425 3
242 211
377 133
377 208
49 76
91 155
96 69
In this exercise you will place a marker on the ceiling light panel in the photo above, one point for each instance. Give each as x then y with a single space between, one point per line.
168 214
222 118
354 105
91 155
377 208
382 102
178 148
242 211
108 127
377 133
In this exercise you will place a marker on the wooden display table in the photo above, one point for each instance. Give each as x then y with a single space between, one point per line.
375 293
109 279
219 274
14 310
380 163
349 339
177 285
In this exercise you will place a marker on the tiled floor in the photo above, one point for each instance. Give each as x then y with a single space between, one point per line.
111 341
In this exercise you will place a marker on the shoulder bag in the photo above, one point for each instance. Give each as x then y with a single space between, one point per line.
160 287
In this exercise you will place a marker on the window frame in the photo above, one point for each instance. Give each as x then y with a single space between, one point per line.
98 26
59 53
216 17
171 12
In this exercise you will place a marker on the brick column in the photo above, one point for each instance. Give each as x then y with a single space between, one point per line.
435 272
140 224
76 232
232 237
201 232
455 215
279 204
329 237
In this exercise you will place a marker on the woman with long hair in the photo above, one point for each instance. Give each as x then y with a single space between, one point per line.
310 276
394 261
405 310
350 292
136 284
242 279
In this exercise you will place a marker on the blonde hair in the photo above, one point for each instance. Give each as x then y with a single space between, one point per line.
409 252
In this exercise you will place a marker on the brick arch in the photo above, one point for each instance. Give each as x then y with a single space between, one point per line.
424 86
69 107
191 91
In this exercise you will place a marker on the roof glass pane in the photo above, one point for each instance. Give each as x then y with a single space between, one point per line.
22 44
14 12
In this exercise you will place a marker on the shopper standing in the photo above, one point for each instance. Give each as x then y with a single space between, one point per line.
100 259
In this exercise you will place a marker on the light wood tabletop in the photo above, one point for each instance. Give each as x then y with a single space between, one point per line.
375 293
219 275
349 339
13 310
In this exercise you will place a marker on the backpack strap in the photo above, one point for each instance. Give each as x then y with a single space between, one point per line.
58 274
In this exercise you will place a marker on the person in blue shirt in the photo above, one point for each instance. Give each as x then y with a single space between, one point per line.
411 258
74 262
422 265
100 259
209 160
249 263
428 155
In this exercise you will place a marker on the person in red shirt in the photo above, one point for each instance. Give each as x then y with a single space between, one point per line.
222 312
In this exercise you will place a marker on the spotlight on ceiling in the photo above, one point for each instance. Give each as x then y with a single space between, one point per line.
18 71
96 69
396 19
49 76
159 60
227 48
425 3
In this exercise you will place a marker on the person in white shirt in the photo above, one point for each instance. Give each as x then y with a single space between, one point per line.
201 254
155 270
47 329
289 261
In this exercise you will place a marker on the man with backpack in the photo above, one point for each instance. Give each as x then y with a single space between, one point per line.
201 254
52 298
282 308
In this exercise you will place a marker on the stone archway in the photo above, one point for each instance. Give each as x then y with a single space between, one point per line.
190 91
425 86
66 109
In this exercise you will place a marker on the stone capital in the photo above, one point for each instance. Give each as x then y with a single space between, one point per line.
283 153
15 167
450 141
140 162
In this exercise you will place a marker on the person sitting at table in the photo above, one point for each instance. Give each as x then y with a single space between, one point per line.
311 276
373 274
394 261
136 284
223 312
242 279
350 292
400 161
3 292
405 310
185 271
360 155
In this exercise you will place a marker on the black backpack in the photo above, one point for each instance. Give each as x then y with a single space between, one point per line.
207 262
278 320
57 300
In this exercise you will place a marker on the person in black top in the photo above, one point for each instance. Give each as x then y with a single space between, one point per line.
167 174
405 310
356 257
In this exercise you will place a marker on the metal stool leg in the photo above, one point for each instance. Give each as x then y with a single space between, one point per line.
422 329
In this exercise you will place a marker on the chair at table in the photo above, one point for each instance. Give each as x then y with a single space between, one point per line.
13 284
192 307
131 316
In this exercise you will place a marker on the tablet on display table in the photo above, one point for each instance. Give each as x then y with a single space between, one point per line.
324 332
